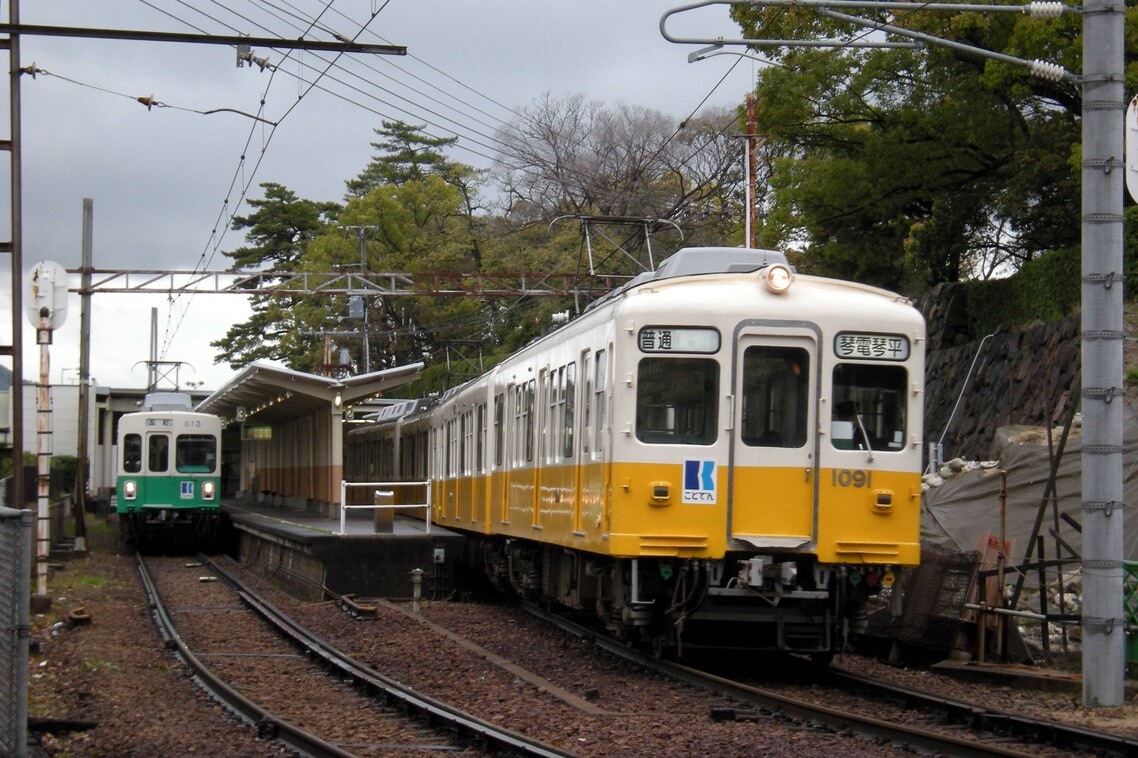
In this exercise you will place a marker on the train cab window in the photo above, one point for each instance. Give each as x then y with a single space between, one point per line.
195 454
774 396
132 453
868 407
677 401
158 452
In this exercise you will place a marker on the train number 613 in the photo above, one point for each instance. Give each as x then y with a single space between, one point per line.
846 477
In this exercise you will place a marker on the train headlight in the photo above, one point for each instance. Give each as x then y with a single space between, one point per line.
130 489
207 490
777 278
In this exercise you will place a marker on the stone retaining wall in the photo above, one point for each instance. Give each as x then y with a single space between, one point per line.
1017 377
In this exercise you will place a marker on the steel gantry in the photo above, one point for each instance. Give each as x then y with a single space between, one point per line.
386 284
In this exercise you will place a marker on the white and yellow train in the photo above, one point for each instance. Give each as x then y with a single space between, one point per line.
722 453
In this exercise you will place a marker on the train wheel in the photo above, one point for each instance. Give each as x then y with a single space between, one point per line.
661 643
822 660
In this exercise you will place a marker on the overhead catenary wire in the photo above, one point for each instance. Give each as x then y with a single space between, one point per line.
330 77
658 150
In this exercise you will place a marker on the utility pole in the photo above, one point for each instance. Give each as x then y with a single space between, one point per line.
1103 173
14 247
752 149
81 471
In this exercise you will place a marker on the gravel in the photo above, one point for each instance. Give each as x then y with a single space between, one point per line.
114 671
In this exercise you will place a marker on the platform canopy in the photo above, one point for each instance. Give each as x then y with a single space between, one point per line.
267 394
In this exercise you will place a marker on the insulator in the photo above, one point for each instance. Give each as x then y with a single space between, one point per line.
1046 70
1041 9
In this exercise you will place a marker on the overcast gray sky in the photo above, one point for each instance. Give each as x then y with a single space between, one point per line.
165 180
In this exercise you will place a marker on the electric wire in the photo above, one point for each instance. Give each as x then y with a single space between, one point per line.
244 173
170 333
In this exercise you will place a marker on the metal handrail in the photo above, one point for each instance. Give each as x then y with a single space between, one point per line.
344 507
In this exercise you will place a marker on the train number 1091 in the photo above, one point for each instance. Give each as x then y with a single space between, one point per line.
846 477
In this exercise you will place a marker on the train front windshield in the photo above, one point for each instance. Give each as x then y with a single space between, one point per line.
196 454
868 411
193 453
677 401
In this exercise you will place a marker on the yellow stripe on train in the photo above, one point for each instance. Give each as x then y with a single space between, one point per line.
637 510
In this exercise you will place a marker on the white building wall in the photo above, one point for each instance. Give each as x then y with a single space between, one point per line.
64 427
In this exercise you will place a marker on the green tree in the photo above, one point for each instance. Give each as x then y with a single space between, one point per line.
418 225
905 168
279 227
406 154
279 230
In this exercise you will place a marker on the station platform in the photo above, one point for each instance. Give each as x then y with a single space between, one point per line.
304 553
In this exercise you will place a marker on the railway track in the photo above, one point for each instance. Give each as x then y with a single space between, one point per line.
985 720
240 649
903 717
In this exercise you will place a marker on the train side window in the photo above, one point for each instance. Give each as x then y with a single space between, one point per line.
466 446
529 394
586 401
132 453
517 431
158 453
499 430
599 389
774 396
452 448
524 422
480 439
568 397
869 407
677 401
195 453
548 403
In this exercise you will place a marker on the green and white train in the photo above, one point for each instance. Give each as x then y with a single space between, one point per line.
168 474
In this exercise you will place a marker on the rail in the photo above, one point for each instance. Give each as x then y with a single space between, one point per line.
377 506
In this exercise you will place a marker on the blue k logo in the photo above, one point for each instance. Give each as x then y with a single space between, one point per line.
699 482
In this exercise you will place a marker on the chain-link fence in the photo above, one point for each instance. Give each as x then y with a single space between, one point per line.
15 588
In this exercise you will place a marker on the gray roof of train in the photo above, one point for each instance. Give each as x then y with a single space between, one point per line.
692 261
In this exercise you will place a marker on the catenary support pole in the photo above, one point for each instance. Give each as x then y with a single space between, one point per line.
1103 175
82 470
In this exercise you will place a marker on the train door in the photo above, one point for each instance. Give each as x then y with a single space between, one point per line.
773 478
